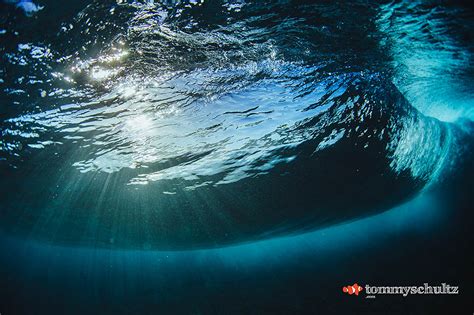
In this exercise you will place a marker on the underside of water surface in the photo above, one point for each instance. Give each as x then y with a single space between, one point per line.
189 124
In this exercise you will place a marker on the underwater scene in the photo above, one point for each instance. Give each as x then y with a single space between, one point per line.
236 157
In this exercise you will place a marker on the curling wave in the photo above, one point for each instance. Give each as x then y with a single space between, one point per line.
194 124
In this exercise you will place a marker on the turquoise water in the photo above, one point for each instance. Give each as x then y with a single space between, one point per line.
249 157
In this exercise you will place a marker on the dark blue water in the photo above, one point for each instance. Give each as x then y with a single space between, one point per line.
205 157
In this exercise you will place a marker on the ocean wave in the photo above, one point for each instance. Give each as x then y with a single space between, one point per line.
191 124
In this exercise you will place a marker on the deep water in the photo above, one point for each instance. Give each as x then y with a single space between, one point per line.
200 157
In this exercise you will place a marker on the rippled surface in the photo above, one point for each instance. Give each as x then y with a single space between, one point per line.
183 124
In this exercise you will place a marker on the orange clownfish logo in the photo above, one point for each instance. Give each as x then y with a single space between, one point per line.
352 289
